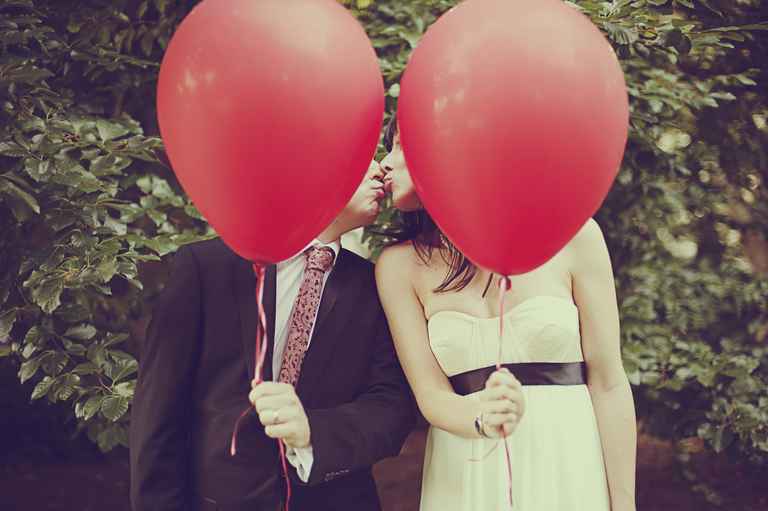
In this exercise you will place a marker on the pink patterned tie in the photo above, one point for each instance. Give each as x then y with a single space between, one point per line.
319 261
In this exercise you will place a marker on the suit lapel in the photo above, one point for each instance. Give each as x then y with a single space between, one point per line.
337 292
244 284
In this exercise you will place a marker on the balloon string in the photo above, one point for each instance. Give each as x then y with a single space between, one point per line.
506 285
261 330
260 354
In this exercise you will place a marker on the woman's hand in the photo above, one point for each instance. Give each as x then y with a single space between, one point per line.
502 404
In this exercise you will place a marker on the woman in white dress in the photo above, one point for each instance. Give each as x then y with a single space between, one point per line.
573 449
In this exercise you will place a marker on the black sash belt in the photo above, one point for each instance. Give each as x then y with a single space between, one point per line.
529 373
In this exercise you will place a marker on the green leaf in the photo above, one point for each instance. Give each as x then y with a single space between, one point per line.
82 332
745 80
110 130
28 369
85 368
66 386
116 226
75 24
128 269
111 437
73 313
114 407
192 212
8 277
147 42
54 362
114 339
12 149
29 350
723 438
101 165
163 245
34 337
107 269
21 202
145 184
126 389
76 349
158 217
678 40
42 388
161 189
125 369
7 320
92 406
48 295
98 355
706 375
708 5
37 169
620 34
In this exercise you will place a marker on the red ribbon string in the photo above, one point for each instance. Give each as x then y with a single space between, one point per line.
260 354
506 285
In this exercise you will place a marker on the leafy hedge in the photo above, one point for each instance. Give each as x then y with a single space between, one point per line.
84 198
88 204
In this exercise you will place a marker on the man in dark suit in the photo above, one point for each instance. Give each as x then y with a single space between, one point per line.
339 399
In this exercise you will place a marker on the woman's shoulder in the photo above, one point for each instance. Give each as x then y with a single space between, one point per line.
588 246
590 234
396 258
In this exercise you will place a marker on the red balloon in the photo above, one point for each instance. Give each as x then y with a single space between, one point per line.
513 120
270 111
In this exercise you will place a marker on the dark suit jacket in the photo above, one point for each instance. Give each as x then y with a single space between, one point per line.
194 376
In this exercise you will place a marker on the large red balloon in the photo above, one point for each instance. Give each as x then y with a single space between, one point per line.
270 111
513 119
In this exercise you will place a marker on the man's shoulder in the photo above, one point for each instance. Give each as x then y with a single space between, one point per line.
357 264
356 260
210 253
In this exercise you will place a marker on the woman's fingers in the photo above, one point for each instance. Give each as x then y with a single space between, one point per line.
502 393
501 406
503 377
496 420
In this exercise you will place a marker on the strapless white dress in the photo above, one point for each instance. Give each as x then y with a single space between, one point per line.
557 460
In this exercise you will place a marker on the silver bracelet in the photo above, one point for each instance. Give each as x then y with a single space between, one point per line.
479 426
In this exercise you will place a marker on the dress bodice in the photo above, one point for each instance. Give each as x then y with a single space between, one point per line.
539 329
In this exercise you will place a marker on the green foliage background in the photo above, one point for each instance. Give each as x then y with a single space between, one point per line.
88 205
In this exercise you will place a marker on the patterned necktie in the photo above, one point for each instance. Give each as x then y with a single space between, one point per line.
319 261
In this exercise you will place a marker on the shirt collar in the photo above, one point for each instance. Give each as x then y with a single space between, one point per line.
334 245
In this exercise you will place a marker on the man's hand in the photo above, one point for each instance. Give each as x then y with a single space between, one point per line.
281 413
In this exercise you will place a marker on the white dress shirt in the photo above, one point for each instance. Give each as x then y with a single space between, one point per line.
290 274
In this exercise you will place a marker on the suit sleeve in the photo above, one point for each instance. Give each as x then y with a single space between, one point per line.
372 427
159 434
